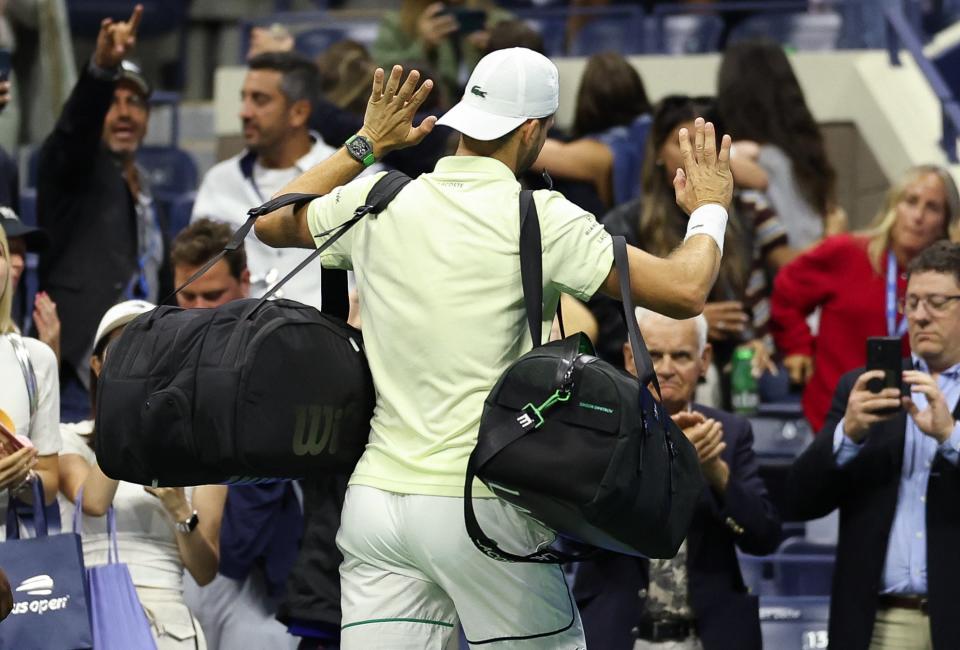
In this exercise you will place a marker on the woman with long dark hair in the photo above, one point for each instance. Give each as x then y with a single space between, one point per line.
763 108
611 96
738 308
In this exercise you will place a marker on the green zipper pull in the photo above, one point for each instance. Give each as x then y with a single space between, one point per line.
537 411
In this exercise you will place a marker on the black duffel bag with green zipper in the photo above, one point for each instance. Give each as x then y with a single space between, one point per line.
580 445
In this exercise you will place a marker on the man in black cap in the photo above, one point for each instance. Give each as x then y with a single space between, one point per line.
106 242
25 239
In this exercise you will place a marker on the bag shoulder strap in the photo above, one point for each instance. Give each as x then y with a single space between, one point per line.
646 374
378 198
236 240
385 190
531 265
531 268
26 367
531 277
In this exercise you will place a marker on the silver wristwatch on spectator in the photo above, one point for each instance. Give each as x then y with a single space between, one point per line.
186 527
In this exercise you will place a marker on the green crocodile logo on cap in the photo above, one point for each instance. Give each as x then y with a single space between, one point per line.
479 93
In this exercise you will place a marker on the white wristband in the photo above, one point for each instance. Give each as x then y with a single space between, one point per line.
710 219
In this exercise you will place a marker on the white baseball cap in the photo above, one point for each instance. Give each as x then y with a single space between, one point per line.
118 316
507 88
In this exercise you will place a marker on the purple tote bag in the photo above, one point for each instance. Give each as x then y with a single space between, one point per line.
117 617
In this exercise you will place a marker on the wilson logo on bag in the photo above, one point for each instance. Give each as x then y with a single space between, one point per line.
317 430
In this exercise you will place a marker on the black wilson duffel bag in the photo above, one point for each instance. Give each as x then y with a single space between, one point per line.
252 389
582 446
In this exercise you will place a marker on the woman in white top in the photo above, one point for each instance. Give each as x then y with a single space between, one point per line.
160 531
35 413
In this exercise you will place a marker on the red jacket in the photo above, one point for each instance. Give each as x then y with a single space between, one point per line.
836 276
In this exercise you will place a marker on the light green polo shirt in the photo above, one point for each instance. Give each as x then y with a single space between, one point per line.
438 275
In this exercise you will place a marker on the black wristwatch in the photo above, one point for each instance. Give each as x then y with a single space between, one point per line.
360 149
186 527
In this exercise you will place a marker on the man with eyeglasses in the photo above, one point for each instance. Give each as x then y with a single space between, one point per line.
106 243
894 476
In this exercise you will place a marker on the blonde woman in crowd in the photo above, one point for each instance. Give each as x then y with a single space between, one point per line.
858 280
29 403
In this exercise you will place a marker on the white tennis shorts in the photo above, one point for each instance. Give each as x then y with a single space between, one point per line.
410 573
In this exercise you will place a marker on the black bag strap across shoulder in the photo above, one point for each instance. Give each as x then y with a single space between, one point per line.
641 356
379 197
531 265
531 277
645 373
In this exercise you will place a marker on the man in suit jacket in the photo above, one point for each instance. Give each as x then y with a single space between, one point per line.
696 601
896 481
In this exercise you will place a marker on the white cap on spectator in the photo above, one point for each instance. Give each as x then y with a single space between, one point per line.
120 315
507 88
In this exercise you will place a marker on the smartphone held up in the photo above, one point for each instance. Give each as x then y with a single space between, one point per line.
884 353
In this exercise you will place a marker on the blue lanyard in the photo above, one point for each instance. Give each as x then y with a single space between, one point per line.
892 329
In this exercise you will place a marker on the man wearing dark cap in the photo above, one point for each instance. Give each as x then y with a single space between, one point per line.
25 239
106 244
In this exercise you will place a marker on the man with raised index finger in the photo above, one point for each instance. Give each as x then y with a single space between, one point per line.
106 243
443 316
896 481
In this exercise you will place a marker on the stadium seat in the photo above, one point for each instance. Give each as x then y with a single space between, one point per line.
780 430
313 42
757 572
28 206
171 171
179 209
160 16
800 31
621 33
683 34
629 147
794 623
803 568
313 31
33 165
815 31
551 26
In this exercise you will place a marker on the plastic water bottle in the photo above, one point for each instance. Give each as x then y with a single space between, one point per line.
742 382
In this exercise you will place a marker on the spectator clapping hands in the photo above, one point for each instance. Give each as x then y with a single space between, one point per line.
47 321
